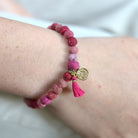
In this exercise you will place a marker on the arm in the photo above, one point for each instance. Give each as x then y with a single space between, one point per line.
26 54
109 107
105 109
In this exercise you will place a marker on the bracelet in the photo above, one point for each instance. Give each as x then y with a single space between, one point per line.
74 71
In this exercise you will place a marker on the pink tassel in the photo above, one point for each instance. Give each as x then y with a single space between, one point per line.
76 89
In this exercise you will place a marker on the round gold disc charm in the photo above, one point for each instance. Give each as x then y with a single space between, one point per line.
82 73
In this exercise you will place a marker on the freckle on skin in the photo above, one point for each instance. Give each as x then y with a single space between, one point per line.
17 46
99 86
122 41
6 47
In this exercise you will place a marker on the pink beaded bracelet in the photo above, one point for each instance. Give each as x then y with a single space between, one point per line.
74 71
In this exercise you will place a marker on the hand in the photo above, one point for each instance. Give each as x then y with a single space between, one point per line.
109 108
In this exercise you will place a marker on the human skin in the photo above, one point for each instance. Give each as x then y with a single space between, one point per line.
13 7
32 59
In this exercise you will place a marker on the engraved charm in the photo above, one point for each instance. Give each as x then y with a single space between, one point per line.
82 73
72 72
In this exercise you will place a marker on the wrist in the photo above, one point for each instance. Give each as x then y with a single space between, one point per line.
50 65
37 60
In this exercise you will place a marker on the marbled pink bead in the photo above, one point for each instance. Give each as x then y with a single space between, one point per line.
62 83
72 41
73 65
73 50
68 34
62 31
31 103
73 57
53 26
43 101
57 89
58 27
51 95
49 27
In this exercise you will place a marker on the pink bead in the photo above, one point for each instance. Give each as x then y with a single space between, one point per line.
73 65
58 27
53 26
31 103
57 89
67 76
52 95
49 27
63 29
72 41
43 101
68 34
73 50
62 83
72 57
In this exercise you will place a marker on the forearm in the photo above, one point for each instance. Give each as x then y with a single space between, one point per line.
105 110
31 58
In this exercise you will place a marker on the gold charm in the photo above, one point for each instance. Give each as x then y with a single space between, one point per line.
72 72
82 73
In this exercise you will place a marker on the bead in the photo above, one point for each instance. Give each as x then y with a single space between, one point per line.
31 103
49 27
53 26
73 50
63 29
58 28
72 41
68 34
62 83
57 89
43 101
67 76
73 57
73 65
52 95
